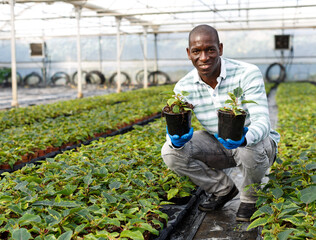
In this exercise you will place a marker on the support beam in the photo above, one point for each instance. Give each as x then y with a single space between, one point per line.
156 52
145 59
79 72
13 58
155 77
118 53
203 10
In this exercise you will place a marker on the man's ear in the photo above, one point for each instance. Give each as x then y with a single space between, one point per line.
221 49
188 52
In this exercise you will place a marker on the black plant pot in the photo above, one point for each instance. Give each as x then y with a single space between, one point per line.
230 126
178 124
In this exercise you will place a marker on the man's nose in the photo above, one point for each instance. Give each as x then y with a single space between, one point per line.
203 56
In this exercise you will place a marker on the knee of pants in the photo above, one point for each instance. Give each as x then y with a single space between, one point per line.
170 161
172 158
253 157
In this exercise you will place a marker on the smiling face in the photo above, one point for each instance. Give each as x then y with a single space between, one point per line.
204 51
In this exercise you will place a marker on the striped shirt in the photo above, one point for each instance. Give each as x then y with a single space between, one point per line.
207 100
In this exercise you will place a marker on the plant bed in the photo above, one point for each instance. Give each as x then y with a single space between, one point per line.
27 139
112 187
53 151
287 202
80 125
16 117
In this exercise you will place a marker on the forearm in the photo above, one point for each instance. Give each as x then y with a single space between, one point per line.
258 120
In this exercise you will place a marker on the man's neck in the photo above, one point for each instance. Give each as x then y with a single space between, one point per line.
212 82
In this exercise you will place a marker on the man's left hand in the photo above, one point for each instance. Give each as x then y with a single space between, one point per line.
231 144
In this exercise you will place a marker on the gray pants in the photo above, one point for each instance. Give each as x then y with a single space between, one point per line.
203 159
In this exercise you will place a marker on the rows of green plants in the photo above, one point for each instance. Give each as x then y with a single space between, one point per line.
111 189
288 201
16 117
55 132
27 130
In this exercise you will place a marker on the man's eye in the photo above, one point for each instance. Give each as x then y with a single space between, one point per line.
195 51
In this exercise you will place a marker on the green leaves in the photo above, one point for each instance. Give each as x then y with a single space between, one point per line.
285 234
258 222
290 194
248 101
233 102
171 101
137 235
172 193
28 219
71 123
238 92
176 104
21 234
233 97
68 190
65 236
185 93
115 184
277 192
308 195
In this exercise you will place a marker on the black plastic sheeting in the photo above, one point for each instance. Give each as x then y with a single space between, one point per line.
176 214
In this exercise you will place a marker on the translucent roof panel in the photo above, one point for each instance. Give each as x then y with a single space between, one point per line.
47 18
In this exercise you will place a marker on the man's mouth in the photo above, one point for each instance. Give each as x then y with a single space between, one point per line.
205 66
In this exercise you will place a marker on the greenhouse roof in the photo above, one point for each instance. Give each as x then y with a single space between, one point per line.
48 18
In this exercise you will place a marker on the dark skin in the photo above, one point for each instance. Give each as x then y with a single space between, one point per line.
204 51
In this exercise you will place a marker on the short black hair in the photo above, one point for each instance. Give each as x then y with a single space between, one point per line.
202 29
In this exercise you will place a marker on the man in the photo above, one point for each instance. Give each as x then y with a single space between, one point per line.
202 155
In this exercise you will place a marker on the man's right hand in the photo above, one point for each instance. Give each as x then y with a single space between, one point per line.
178 141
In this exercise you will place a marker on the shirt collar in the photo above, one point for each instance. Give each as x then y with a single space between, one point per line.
222 74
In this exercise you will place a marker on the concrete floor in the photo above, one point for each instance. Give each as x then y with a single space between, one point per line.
35 96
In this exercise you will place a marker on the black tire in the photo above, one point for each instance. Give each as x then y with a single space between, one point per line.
8 81
5 77
124 82
58 77
95 77
74 78
158 78
139 77
281 75
32 79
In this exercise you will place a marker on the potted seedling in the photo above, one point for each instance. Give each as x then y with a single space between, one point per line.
178 114
231 119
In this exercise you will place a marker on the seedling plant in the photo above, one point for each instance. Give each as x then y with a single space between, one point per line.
176 104
234 103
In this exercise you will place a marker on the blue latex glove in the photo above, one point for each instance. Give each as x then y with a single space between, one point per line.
180 141
231 144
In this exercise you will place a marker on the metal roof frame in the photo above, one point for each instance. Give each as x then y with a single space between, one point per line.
235 15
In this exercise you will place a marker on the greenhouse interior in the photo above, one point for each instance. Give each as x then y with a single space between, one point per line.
85 86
